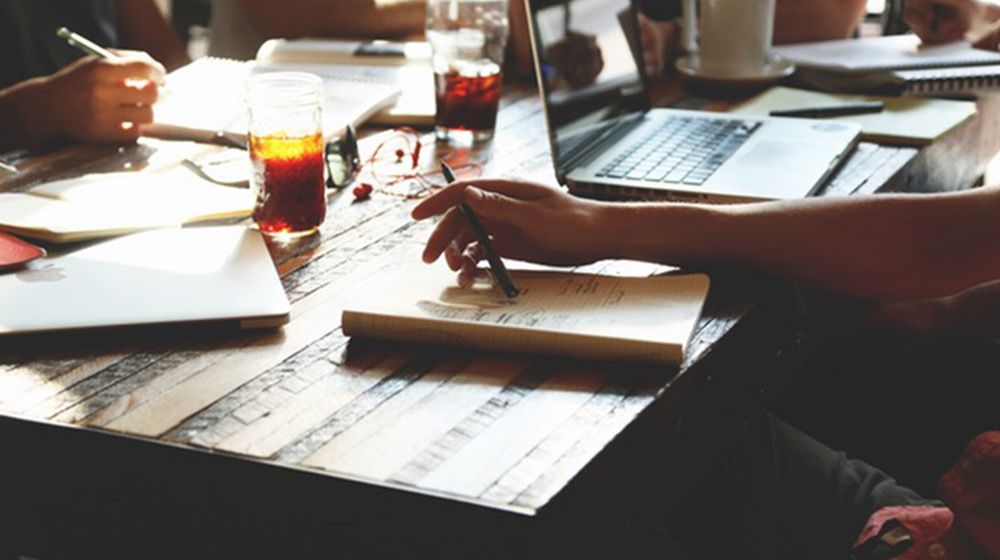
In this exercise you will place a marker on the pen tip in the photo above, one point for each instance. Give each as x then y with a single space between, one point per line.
449 175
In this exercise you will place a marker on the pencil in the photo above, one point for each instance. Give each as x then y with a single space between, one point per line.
84 44
496 264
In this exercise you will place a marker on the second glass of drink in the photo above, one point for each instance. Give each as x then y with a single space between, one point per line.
467 38
286 151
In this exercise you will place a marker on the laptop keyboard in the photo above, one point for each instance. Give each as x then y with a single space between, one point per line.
684 150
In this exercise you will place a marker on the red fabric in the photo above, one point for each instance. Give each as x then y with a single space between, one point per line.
925 524
970 529
971 487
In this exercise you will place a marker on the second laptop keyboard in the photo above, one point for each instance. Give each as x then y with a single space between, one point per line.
684 150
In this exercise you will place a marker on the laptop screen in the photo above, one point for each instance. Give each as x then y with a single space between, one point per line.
589 64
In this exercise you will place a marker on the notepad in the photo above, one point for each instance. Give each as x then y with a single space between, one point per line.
332 51
208 96
108 204
909 121
597 316
403 65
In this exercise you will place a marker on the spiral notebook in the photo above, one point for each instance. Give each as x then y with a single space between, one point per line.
894 52
893 65
948 80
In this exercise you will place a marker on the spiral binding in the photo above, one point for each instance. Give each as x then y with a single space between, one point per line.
950 80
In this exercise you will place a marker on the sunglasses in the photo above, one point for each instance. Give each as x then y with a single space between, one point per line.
341 156
343 161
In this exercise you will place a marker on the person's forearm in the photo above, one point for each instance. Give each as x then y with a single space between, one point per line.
797 21
21 121
345 18
890 246
141 26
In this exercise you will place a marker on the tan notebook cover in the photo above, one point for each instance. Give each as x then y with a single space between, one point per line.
621 318
913 121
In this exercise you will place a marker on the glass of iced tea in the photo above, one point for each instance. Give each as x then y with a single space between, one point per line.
286 150
467 39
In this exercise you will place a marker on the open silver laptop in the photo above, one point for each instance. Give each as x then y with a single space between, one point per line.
155 277
607 142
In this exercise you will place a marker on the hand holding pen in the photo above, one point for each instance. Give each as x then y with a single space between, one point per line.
497 268
102 99
526 221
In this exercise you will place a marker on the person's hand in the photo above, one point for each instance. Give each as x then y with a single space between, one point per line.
970 312
988 38
659 41
527 221
941 21
98 100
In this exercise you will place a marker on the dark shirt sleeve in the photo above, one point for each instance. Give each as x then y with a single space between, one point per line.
660 10
28 34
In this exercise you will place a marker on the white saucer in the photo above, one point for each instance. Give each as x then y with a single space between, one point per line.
775 70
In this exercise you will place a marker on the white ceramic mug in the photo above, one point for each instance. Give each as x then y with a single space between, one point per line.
731 37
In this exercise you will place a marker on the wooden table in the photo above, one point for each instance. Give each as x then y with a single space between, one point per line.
175 436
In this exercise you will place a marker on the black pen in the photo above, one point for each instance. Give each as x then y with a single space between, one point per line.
496 265
831 110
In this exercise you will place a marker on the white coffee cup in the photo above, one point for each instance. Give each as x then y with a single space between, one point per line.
732 38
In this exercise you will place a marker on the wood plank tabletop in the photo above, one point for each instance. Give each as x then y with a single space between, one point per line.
504 431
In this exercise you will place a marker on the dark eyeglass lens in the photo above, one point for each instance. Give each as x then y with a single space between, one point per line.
342 162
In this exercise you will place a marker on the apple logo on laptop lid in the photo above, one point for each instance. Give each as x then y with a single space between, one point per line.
45 273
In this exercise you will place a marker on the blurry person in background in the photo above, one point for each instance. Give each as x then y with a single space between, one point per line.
795 21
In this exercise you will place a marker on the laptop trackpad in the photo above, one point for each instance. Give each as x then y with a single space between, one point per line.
776 155
774 169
